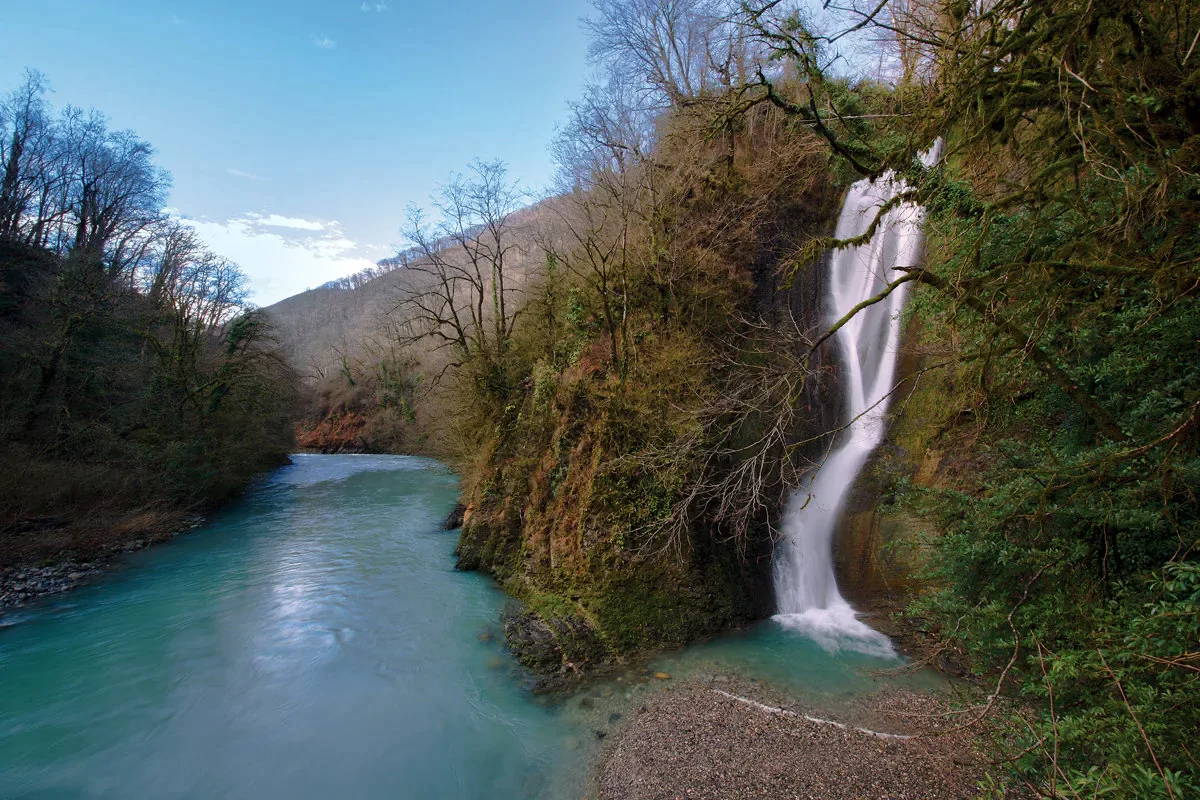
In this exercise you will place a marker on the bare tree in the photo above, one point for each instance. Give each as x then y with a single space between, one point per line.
679 48
27 153
115 186
71 184
591 240
462 294
744 447
610 128
172 245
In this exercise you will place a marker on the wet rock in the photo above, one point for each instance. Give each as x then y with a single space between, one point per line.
560 650
532 641
455 518
469 559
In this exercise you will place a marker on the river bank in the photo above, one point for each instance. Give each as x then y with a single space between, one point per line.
319 627
65 558
731 739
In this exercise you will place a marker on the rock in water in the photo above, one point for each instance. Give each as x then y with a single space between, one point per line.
455 518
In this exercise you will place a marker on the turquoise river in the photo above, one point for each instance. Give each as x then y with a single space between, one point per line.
314 641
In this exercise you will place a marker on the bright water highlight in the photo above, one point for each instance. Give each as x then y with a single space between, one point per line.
314 642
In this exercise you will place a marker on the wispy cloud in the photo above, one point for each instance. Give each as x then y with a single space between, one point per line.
378 8
250 176
285 255
324 42
296 223
175 20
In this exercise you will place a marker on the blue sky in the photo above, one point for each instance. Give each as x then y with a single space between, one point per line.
298 131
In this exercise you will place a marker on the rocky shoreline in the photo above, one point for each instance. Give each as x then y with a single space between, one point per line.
729 741
21 584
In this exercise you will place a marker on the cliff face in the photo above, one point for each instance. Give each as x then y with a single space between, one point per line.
562 521
575 505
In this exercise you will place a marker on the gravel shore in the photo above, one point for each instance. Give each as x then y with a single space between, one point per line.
698 742
23 583
19 585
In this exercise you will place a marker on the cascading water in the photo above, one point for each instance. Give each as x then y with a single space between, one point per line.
806 588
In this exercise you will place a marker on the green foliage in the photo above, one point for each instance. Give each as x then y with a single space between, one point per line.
112 403
1062 270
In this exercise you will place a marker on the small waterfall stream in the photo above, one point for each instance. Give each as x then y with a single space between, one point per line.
806 588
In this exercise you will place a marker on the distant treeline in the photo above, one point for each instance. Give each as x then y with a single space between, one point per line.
135 382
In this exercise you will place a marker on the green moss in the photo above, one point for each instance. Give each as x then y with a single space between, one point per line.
633 613
549 605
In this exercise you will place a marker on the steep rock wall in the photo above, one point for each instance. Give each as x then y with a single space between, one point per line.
559 501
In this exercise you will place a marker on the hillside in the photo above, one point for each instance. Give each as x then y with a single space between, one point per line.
352 319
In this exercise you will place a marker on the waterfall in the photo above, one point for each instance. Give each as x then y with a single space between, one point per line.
806 588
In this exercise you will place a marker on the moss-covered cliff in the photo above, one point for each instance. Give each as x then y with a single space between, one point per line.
564 516
625 489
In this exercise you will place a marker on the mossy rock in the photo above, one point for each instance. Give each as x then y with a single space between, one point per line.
553 645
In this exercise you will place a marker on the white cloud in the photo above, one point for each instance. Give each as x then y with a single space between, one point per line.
378 8
237 173
324 42
333 247
297 223
282 255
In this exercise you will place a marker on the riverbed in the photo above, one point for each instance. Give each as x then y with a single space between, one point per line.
314 641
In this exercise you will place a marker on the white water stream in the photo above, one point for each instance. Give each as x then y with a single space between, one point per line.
806 588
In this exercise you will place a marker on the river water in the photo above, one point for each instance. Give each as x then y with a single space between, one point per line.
315 642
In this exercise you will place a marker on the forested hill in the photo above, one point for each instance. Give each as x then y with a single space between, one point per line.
343 346
362 356
136 385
